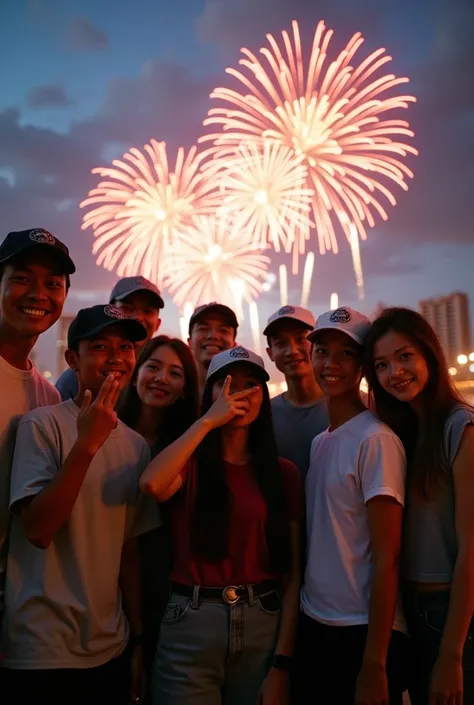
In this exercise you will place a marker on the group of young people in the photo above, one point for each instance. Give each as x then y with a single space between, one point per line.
170 534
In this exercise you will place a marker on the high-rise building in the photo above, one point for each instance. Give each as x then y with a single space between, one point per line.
61 341
449 316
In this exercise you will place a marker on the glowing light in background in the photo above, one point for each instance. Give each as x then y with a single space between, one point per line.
141 204
263 191
205 264
307 278
334 302
462 359
356 260
337 117
452 371
255 328
283 285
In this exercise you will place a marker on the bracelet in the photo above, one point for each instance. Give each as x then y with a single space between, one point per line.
282 662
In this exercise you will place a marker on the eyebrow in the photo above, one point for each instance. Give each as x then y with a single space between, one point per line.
399 350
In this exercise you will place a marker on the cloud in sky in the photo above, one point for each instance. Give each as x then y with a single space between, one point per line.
84 36
48 96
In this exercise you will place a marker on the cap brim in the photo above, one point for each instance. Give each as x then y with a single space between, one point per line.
66 264
224 310
121 297
134 330
314 334
225 369
275 323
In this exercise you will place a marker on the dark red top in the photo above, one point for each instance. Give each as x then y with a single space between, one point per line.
248 552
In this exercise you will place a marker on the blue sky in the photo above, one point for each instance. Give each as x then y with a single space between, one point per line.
84 81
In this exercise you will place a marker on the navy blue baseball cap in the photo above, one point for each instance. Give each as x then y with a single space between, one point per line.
91 321
129 285
225 311
21 241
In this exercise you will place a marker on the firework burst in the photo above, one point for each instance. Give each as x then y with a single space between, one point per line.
334 118
205 264
141 204
263 192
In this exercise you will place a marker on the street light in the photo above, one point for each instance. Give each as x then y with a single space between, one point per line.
462 359
471 357
452 371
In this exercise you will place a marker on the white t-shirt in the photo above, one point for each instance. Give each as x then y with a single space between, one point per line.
63 605
21 390
356 462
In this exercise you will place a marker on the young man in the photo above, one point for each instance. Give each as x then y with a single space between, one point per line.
137 298
34 279
300 413
212 329
73 564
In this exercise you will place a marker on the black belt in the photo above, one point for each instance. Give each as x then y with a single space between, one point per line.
230 594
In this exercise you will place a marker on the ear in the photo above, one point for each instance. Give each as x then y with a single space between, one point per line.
189 342
235 343
270 354
158 324
72 360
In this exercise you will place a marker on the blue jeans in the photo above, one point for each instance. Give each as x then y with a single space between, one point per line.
426 615
212 653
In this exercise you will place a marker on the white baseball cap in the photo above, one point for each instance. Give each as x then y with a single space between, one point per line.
236 355
295 313
345 319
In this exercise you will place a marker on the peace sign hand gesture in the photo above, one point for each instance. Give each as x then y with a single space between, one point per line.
228 405
97 418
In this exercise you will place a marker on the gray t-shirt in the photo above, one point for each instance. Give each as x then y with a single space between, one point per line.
430 541
63 606
67 384
295 427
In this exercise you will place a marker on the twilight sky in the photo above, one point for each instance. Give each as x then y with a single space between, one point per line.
82 81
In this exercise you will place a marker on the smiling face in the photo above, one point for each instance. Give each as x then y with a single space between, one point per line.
290 349
243 377
32 294
161 378
400 367
211 334
109 352
337 363
142 306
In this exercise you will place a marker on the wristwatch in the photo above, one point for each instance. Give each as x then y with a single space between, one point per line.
282 662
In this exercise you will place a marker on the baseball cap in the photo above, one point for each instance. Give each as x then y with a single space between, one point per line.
23 240
224 310
295 313
91 321
239 354
129 285
348 321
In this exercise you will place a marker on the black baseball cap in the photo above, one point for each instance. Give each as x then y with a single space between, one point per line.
129 285
91 321
23 240
224 310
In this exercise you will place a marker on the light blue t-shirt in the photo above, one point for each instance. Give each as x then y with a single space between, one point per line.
67 384
295 427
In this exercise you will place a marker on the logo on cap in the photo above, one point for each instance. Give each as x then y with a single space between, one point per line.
42 237
112 311
340 315
286 309
239 352
141 281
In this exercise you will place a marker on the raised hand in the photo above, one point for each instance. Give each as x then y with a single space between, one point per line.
228 405
97 418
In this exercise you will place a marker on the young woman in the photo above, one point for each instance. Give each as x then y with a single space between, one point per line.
160 403
412 392
351 644
227 634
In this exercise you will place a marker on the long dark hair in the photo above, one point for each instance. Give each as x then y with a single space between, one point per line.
427 462
176 418
213 503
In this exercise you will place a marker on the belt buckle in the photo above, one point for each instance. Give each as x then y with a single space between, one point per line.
229 594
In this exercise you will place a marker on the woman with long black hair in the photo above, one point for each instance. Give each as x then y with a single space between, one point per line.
160 403
412 392
228 630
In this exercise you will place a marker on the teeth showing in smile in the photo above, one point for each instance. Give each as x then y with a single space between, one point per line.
330 378
402 385
38 312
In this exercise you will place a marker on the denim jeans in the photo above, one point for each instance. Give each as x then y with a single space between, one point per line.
426 615
212 653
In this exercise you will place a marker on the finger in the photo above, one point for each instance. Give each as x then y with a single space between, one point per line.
111 394
226 386
86 402
244 393
115 396
104 390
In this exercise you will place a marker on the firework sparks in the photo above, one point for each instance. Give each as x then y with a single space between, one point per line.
140 205
263 191
205 264
335 119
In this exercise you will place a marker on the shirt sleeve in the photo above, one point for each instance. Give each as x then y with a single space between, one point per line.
36 461
382 467
293 489
454 429
67 384
143 512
